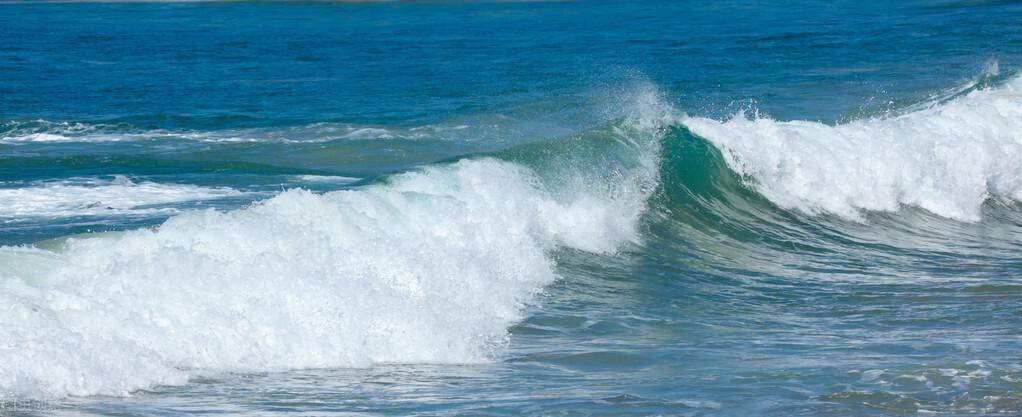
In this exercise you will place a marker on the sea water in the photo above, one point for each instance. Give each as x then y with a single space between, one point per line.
511 208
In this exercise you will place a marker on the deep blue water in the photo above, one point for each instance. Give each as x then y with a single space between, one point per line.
511 208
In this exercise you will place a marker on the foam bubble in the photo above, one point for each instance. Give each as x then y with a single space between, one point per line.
947 159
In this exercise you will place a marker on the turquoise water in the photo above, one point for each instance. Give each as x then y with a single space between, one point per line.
539 208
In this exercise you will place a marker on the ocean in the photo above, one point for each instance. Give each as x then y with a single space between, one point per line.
749 208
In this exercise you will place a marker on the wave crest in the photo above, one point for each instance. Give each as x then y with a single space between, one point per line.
948 159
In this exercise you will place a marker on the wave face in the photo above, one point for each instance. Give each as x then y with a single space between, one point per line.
948 158
429 266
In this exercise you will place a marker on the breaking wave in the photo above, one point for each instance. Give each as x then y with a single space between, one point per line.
433 265
428 266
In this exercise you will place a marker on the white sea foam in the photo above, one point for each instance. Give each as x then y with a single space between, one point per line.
99 197
948 158
429 267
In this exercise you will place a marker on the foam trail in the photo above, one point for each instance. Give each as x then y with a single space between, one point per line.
430 267
97 197
44 131
947 159
335 179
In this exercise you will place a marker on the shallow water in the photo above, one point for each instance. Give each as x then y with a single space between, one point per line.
511 209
